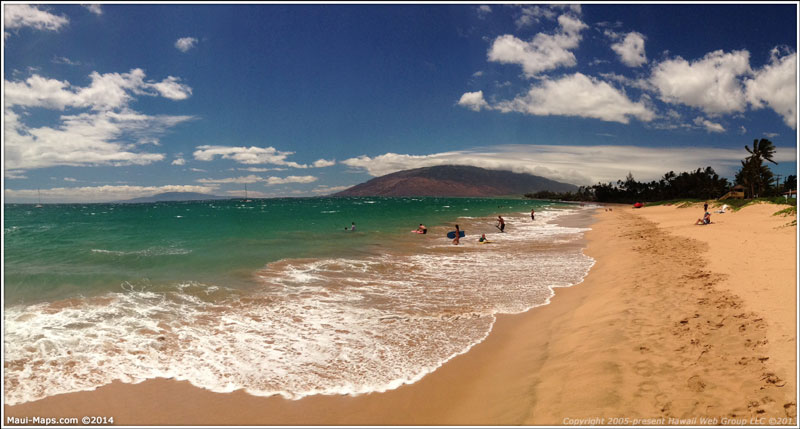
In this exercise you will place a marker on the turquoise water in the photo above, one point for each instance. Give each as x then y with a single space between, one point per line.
272 297
65 250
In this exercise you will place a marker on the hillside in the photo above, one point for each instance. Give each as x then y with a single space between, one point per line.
455 181
175 196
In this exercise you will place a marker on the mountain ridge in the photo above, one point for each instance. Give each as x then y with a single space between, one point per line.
174 196
455 181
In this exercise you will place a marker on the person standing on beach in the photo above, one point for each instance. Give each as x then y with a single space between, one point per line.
352 226
458 234
501 223
533 216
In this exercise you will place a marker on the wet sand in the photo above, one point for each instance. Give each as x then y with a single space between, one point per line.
674 321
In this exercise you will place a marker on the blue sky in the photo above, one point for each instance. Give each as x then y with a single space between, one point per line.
115 101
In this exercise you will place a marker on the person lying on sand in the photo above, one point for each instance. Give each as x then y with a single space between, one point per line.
705 220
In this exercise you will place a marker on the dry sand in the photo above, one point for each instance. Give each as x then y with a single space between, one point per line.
674 321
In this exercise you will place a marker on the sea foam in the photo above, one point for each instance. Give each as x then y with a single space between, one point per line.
312 326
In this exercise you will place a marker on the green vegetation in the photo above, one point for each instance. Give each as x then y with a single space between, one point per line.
789 211
695 186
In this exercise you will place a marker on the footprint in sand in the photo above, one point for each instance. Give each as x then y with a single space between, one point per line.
696 384
643 368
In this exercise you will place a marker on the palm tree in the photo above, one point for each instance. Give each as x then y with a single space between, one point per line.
754 173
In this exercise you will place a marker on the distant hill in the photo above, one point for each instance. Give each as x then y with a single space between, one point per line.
175 196
455 181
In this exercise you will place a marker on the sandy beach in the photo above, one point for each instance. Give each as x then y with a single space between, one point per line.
676 324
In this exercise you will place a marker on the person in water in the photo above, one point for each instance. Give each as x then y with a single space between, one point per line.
533 215
458 234
483 239
352 226
422 229
501 223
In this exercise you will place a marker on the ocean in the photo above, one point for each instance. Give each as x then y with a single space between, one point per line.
273 296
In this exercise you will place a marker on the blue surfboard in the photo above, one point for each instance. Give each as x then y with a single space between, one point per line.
452 234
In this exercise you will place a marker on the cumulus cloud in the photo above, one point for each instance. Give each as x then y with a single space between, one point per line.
711 83
107 91
185 43
484 10
709 126
320 163
544 52
579 165
631 49
178 161
775 85
17 16
96 194
473 101
172 88
104 135
246 155
577 95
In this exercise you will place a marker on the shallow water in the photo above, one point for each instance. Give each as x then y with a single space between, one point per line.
225 299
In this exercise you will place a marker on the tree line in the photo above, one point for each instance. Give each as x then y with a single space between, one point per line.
702 184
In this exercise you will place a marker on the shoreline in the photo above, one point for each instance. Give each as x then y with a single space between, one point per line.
612 347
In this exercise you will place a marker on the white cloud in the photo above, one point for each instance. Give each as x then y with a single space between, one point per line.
106 92
105 135
65 60
484 10
246 155
473 101
70 179
272 180
775 85
323 163
243 179
17 16
577 95
87 139
171 88
185 43
178 161
580 165
771 135
530 15
711 83
631 49
290 179
91 194
260 169
711 127
544 52
94 8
